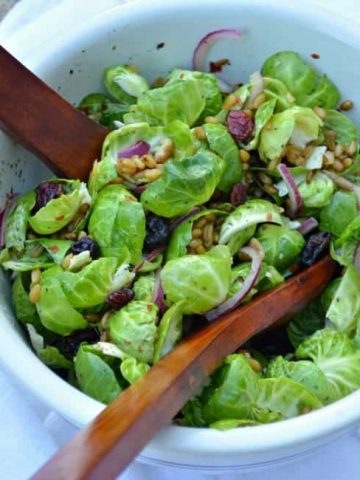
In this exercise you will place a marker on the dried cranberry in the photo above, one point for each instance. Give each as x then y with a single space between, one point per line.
157 232
120 298
240 125
238 194
70 344
84 244
46 192
316 246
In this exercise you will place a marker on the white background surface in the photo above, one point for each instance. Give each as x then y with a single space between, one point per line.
29 433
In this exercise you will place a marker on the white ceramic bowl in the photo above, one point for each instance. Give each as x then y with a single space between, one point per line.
130 34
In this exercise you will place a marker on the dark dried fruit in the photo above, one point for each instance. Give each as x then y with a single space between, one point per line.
84 244
157 232
120 298
316 246
70 344
45 192
240 125
238 194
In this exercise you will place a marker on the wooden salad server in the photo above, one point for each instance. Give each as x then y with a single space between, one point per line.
69 142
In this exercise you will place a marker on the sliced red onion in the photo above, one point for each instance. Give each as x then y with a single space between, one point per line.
206 43
150 257
294 194
307 226
345 185
356 258
159 292
139 189
175 223
4 212
238 194
139 148
239 296
257 87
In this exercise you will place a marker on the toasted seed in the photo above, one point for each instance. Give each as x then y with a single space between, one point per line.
244 155
320 112
270 189
139 163
35 293
245 166
249 113
308 151
229 102
165 151
347 162
255 365
104 322
92 317
259 100
117 181
82 234
69 236
152 174
211 217
200 223
66 261
200 249
310 176
211 119
149 160
273 163
200 133
35 275
346 105
104 337
196 233
265 179
36 251
208 233
352 147
216 237
338 150
338 166
329 158
195 243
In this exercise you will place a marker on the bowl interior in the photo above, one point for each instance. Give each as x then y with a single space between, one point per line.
73 65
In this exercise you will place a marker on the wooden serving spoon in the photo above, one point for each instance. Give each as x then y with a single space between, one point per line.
69 143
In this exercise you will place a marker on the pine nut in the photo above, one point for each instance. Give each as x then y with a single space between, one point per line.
92 317
338 166
348 162
195 243
66 261
165 151
265 179
352 147
273 163
338 150
270 189
196 233
255 365
249 113
149 161
200 133
152 174
346 105
329 157
211 119
35 275
104 322
208 233
35 293
200 249
256 245
320 112
244 155
259 100
200 223
229 102
82 234
245 166
139 163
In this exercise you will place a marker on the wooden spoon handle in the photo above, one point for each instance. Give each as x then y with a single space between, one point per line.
104 448
45 123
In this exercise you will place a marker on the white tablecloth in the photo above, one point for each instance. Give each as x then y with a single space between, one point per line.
29 432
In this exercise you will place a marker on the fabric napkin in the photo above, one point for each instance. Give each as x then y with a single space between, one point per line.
29 432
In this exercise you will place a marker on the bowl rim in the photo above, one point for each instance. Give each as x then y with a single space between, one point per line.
297 431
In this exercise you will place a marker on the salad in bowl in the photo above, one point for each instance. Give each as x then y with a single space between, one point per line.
206 194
